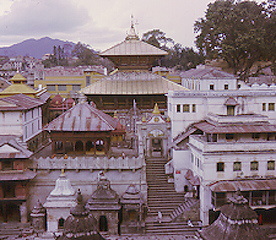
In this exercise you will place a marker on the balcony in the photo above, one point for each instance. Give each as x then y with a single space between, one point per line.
232 146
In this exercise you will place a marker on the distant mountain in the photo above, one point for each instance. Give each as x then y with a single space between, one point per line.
35 47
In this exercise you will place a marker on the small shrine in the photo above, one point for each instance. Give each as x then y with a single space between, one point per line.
104 205
38 216
236 221
59 203
83 129
80 224
154 134
133 211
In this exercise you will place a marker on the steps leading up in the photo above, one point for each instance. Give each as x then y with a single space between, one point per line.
163 198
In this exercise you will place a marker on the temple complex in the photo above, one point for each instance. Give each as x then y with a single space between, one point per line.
132 81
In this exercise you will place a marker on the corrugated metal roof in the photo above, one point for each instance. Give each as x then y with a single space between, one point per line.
17 176
205 73
83 117
19 102
244 185
11 148
132 83
242 128
133 47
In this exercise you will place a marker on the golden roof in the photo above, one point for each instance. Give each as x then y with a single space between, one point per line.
18 78
18 88
132 83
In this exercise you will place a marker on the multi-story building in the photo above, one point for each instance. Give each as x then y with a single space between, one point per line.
224 141
21 116
68 81
207 78
14 179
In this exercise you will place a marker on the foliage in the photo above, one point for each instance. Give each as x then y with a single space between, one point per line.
237 32
85 57
58 58
179 57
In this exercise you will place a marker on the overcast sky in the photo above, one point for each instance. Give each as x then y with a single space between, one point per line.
99 23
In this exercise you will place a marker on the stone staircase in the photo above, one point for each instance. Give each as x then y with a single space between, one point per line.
184 207
11 230
163 198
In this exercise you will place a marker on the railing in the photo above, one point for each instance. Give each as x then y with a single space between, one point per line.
198 142
78 163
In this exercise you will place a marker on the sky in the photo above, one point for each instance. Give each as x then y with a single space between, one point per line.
98 23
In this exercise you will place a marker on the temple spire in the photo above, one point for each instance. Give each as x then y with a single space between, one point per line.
132 33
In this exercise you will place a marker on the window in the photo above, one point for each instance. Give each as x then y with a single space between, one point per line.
237 166
230 110
51 88
271 107
7 165
186 108
220 167
62 87
255 136
229 136
226 87
211 87
264 106
88 80
193 108
254 166
178 108
76 87
271 165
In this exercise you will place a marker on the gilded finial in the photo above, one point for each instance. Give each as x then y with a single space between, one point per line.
156 109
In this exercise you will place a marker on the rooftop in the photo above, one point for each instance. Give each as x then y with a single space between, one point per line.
132 83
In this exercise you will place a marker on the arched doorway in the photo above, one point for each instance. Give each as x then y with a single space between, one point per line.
89 146
79 146
100 146
61 223
103 224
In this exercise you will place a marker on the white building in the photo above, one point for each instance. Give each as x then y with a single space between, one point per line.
221 139
21 115
205 78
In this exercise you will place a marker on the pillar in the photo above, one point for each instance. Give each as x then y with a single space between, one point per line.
23 213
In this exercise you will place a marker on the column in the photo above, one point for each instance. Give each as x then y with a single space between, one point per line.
23 212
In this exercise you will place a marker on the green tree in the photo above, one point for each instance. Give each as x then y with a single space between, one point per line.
158 39
234 31
179 57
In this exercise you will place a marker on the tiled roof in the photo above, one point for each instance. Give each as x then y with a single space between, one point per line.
83 117
132 83
133 47
19 102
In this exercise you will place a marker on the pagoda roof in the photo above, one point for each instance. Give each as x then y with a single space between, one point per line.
236 221
83 117
17 88
133 47
132 83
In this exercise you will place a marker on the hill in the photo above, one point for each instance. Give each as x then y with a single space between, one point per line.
35 47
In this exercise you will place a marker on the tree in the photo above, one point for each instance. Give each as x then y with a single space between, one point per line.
179 57
158 39
234 31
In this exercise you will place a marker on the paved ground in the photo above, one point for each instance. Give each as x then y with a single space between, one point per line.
152 237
